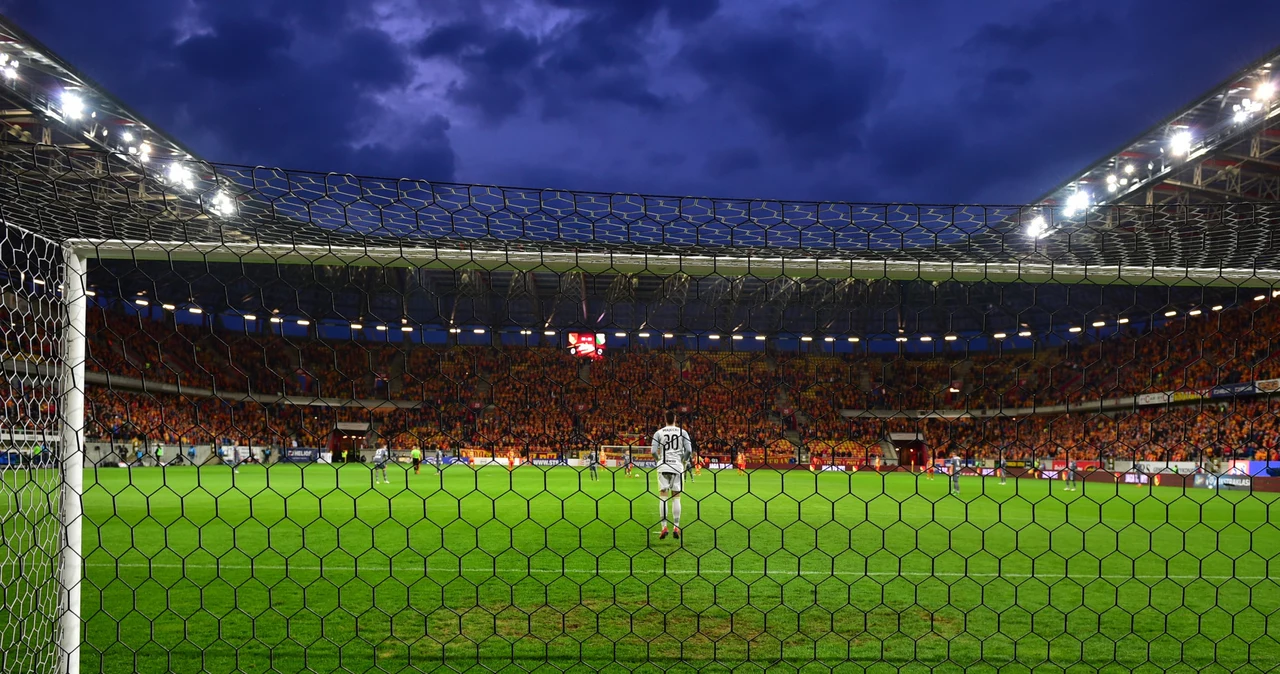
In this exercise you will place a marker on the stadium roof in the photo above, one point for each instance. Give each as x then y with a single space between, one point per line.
80 167
1222 147
46 101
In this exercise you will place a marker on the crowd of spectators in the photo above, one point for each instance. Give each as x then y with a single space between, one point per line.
541 400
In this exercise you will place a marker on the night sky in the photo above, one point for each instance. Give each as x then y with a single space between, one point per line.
913 100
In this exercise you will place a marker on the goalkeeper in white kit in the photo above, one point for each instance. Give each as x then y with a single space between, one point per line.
380 465
671 450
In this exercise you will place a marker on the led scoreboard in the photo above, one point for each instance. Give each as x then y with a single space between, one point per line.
587 345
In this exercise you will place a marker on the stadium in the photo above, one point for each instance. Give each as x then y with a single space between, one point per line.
927 436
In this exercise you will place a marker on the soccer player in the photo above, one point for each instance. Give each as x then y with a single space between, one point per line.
955 474
415 455
742 462
698 463
380 464
1000 470
627 463
671 449
1071 476
439 459
511 459
593 464
690 458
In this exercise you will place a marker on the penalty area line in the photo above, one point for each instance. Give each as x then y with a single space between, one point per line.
788 573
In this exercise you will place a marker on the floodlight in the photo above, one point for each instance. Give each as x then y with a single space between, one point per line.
72 105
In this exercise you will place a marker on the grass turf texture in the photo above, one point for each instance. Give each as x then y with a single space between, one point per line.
294 568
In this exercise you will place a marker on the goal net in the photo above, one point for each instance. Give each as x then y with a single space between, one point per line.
36 391
616 456
275 329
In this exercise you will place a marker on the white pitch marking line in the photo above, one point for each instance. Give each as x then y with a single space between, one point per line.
662 572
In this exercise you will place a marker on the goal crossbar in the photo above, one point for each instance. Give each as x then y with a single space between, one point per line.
442 257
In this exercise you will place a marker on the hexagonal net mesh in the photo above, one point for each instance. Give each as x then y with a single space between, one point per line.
348 424
33 320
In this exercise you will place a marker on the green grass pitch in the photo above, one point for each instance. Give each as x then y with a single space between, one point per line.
316 569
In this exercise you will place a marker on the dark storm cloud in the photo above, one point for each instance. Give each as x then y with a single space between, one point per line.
239 90
733 160
1063 24
238 49
937 101
599 58
813 93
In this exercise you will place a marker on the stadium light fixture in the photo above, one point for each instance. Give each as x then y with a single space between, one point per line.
1194 312
357 326
643 335
828 339
952 389
854 340
951 338
11 70
303 322
454 331
250 317
549 333
620 335
1217 307
277 319
1076 203
195 310
180 175
380 328
141 302
760 338
713 336
899 339
1037 227
1074 328
91 293
1122 321
1128 169
1180 144
127 136
478 331
526 332
144 152
168 307
1000 335
1170 314
38 281
72 105
1259 298
406 328
223 204
1099 324
1275 293
1024 333
926 338
1265 91
737 338
667 335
